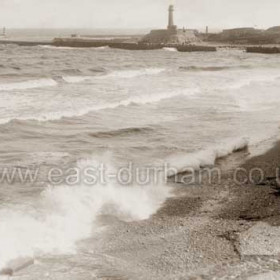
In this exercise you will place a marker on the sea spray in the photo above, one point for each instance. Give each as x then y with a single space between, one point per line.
66 214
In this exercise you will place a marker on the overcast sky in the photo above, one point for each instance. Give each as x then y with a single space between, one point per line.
138 13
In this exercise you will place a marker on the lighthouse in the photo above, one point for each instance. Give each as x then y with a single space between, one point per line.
171 25
170 35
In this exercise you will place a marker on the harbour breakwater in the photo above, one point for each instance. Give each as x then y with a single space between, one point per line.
25 43
194 48
117 44
86 43
264 50
81 43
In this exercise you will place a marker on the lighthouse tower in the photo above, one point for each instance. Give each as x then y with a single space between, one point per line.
171 25
170 35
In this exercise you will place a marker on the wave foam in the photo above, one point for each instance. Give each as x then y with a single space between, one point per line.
28 84
147 99
76 79
136 100
134 73
116 74
170 49
57 47
251 80
102 48
72 48
208 157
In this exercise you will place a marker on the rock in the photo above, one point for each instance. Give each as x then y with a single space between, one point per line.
267 50
260 240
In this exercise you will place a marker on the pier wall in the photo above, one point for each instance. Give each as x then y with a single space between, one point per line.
87 43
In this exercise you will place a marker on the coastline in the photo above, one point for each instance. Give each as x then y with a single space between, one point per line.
221 230
197 233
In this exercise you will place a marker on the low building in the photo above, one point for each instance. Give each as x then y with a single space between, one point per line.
274 30
240 32
247 35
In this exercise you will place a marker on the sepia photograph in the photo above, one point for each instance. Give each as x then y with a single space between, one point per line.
139 140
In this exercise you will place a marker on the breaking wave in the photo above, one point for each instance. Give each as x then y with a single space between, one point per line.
64 214
136 100
203 158
146 99
102 48
134 73
170 49
76 79
41 83
116 74
28 84
72 48
254 79
58 47
47 82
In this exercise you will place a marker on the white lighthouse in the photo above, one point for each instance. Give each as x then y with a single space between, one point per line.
171 25
170 35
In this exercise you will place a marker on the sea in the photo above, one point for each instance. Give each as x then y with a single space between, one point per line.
67 112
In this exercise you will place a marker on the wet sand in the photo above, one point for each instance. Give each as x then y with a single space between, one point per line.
222 230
